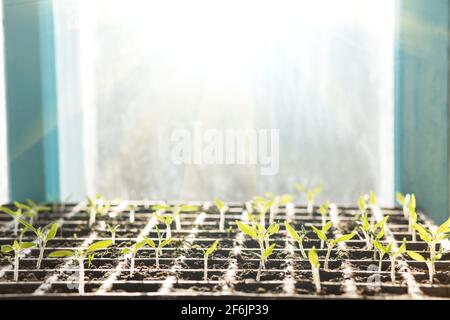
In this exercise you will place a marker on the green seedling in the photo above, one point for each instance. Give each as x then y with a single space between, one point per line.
276 202
315 268
113 231
323 212
31 210
369 230
262 236
261 205
222 210
18 247
393 255
297 236
206 254
167 220
16 215
382 251
433 238
404 201
133 250
412 217
229 230
132 208
81 255
331 243
43 235
176 211
97 206
158 247
322 234
311 195
430 262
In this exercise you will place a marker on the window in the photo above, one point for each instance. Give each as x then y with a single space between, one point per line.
132 72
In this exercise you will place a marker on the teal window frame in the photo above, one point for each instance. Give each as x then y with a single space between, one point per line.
31 102
421 102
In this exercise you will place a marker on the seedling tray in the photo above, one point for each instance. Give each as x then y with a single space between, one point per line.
231 269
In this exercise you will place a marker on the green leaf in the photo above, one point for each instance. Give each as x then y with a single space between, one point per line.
52 232
161 207
166 242
362 204
412 213
159 217
413 201
400 198
317 190
320 234
6 248
27 225
401 249
212 248
324 208
151 243
268 252
381 223
188 208
219 203
100 245
251 232
22 206
416 256
168 220
327 227
373 198
380 247
345 238
443 227
291 231
138 245
61 254
423 233
10 212
310 196
27 245
273 228
313 258
286 198
126 251
300 188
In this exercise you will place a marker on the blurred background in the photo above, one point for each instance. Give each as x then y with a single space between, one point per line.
93 90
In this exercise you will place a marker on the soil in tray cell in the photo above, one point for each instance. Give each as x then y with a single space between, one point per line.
325 276
71 287
196 289
26 276
372 290
436 291
440 277
145 274
308 288
18 288
199 264
198 275
132 287
266 275
259 288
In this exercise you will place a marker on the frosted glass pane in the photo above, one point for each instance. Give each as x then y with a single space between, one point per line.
319 72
